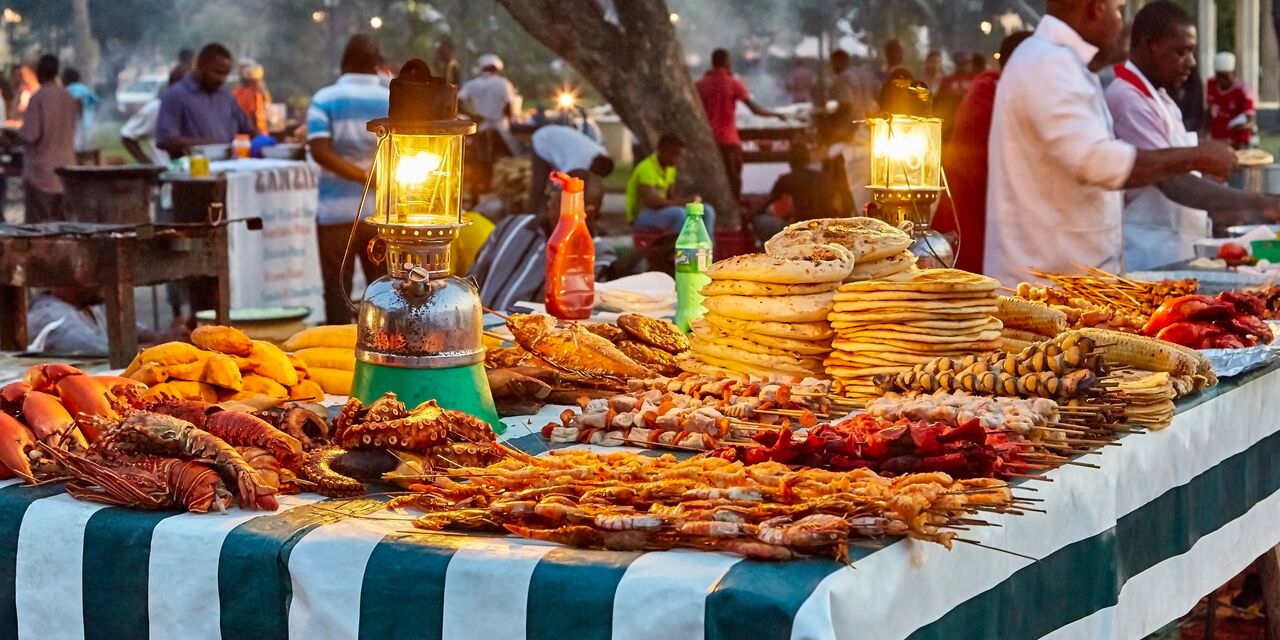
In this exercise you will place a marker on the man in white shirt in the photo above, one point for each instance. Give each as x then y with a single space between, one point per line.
560 148
1056 169
491 100
1162 222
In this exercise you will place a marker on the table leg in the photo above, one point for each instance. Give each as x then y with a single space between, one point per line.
222 277
1211 615
13 318
122 327
1269 571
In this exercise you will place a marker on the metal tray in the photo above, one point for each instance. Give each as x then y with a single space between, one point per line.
1211 281
1233 362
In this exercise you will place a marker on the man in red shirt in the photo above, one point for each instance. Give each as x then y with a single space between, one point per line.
720 92
964 160
1231 107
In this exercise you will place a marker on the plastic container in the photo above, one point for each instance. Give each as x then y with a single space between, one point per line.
570 289
1268 250
199 165
693 257
241 146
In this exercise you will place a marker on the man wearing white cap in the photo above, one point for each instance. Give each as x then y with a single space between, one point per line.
490 100
1231 104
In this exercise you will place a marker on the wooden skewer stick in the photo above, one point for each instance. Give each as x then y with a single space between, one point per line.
1027 477
500 315
986 546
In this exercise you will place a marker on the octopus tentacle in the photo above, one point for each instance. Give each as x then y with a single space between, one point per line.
318 469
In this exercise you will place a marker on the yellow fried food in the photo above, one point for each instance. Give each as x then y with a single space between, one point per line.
306 390
171 353
333 381
222 339
342 336
299 366
254 383
150 374
221 370
133 367
193 370
270 361
328 358
182 390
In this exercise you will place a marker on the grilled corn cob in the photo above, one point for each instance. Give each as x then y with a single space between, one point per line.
1141 352
1030 316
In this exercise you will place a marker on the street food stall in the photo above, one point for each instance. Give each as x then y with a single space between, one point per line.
847 444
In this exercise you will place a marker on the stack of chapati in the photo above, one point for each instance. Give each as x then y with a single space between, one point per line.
767 314
887 326
1150 398
879 249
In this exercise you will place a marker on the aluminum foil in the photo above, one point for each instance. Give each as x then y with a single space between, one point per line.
1233 362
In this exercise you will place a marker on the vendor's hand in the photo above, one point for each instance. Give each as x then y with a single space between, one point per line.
1270 207
1216 159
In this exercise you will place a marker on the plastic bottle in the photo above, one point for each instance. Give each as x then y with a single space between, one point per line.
241 145
693 257
570 289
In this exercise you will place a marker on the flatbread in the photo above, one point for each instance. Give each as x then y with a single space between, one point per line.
880 358
868 296
793 330
920 348
876 269
809 308
934 338
744 344
843 320
707 331
852 312
930 280
862 371
920 326
905 275
702 347
758 370
826 264
869 239
751 288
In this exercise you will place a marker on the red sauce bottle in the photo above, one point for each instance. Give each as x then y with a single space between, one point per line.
571 256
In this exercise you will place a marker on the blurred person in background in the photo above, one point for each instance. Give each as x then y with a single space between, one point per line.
25 85
180 70
138 134
805 193
894 54
252 95
341 144
48 138
561 148
952 90
445 63
491 100
1232 109
721 92
1190 99
964 160
798 83
86 146
652 205
198 109
933 74
855 91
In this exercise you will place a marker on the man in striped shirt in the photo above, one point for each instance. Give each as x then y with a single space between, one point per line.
344 148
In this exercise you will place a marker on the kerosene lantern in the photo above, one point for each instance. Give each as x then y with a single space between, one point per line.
906 170
420 327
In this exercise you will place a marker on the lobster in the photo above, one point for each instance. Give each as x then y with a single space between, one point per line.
147 432
82 394
145 482
16 443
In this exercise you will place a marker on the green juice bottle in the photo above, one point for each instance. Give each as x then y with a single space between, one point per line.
693 257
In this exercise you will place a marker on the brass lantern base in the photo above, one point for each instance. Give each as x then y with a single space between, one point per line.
912 211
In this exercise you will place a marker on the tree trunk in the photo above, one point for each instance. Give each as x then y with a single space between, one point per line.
637 64
85 46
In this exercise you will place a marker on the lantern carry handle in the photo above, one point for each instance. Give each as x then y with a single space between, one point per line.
355 224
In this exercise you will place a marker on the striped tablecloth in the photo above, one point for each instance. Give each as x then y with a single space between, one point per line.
1122 550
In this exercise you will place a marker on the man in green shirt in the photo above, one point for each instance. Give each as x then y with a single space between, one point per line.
651 203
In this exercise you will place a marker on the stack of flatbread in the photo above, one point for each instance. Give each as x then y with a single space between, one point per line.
767 314
1151 397
879 249
887 327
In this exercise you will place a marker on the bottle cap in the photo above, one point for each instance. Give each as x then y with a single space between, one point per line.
694 208
567 182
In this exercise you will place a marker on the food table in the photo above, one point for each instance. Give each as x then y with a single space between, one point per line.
1121 551
279 265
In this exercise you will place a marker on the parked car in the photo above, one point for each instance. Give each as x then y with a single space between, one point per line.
137 93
